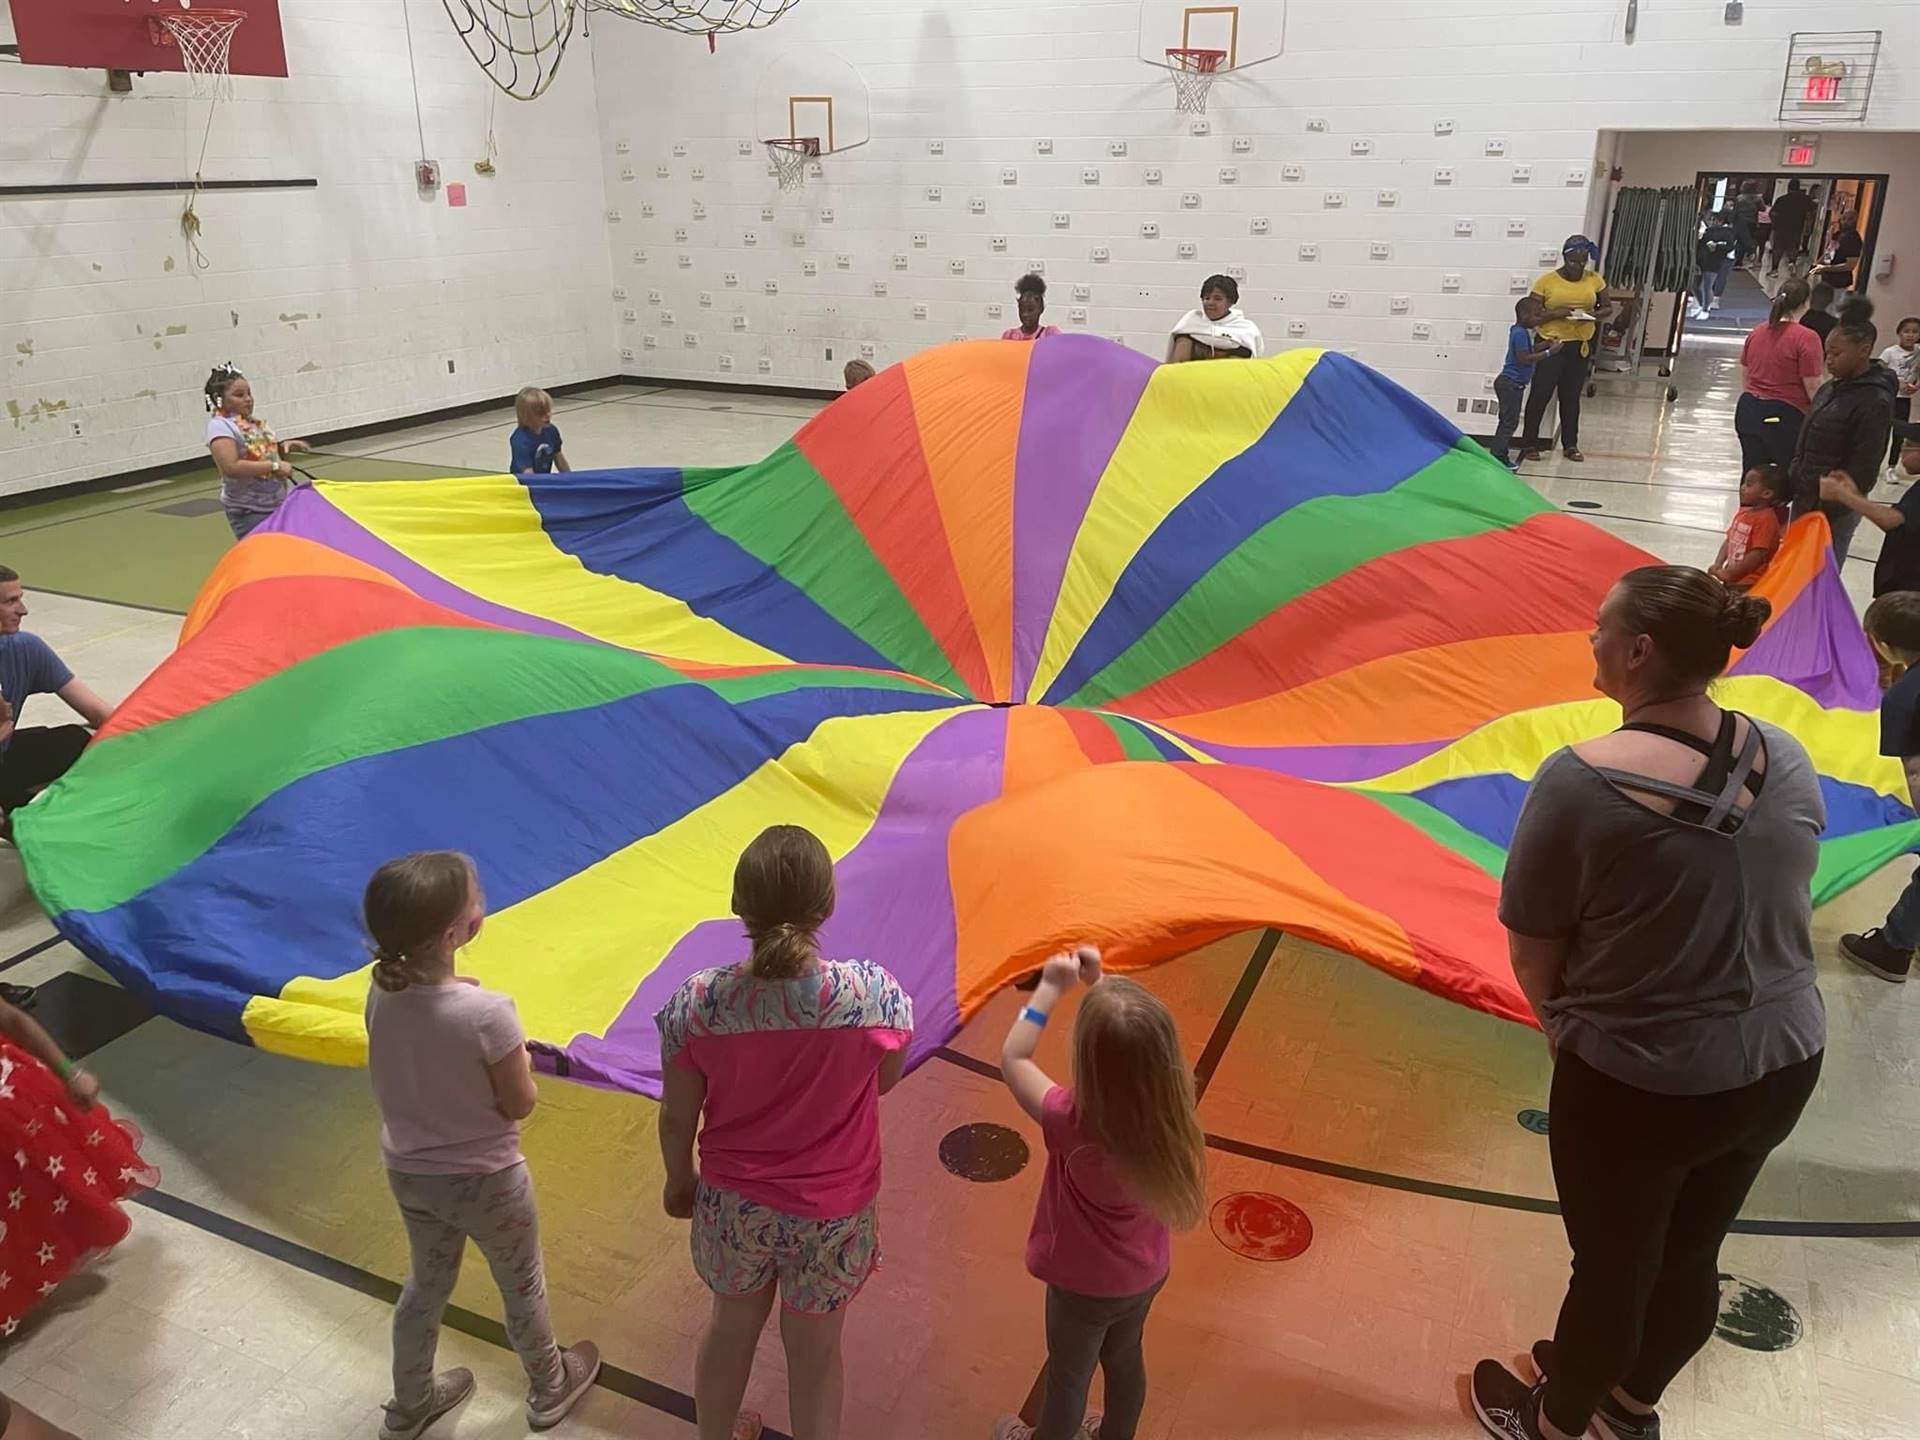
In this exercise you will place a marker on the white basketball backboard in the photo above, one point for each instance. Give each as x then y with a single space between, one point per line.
813 94
1251 33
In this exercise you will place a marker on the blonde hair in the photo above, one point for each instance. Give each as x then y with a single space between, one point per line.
409 904
532 406
783 892
1134 1095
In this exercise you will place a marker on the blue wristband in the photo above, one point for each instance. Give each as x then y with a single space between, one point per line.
1038 1017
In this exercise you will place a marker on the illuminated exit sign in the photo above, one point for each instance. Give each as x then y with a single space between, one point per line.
1822 89
1801 153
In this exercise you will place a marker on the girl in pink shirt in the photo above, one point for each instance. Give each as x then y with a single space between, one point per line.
453 1082
787 1056
1125 1164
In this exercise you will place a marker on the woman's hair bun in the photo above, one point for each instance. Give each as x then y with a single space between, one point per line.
1743 617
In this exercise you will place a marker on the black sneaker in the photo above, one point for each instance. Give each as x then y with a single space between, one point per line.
1507 1407
21 997
1874 952
1610 1421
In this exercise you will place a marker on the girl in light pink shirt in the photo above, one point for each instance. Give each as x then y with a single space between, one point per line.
787 1055
1126 1164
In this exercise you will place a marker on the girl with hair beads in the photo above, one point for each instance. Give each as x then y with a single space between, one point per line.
453 1081
1126 1164
254 478
787 1055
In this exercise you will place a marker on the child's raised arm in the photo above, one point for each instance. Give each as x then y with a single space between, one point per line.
1028 1082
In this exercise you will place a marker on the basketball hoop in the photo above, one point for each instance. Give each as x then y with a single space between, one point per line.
1194 72
205 38
790 159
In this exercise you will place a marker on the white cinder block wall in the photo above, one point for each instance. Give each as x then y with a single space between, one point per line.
992 79
344 304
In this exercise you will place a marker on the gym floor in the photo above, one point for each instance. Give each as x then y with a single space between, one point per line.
1392 1221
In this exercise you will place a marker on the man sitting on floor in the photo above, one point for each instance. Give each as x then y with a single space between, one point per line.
32 759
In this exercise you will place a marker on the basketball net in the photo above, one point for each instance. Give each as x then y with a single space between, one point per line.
205 38
790 159
1194 72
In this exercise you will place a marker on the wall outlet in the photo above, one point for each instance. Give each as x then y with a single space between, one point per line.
1316 125
1380 250
699 211
626 352
1422 330
771 287
1443 176
1036 267
1293 174
1463 227
1061 220
936 147
1190 199
880 289
1387 199
798 239
920 239
646 210
1309 251
1089 175
1475 329
843 262
1200 125
935 194
1077 315
810 268
867 350
740 322
1043 147
766 365
744 149
1238 274
1083 292
996 311
1101 255
656 297
706 299
1117 149
978 204
680 151
619 292
1399 304
613 217
1522 175
816 171
1338 299
1187 250
1450 283
1229 174
1549 255
726 362
1151 175
1496 145
639 257
1443 127
956 267
1516 228
1149 230
649 342
626 172
826 215
679 234
684 261
1243 144
1261 225
919 312
630 316
699 172
1009 176
1518 284
622 147
900 262
1577 175
1360 147
666 319
750 238
1296 328
1334 199
998 244
663 172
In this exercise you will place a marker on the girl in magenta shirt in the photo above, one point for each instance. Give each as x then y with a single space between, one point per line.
787 1055
1125 1164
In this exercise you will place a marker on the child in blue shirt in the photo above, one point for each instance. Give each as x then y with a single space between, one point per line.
536 441
1524 351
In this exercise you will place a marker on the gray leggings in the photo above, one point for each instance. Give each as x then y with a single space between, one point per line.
1083 1332
443 1212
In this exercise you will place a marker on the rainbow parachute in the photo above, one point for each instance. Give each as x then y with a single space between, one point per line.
1047 642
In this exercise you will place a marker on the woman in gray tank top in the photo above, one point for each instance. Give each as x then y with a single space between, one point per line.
1657 903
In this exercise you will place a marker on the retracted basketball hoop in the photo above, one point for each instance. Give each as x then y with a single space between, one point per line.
790 159
205 41
1194 72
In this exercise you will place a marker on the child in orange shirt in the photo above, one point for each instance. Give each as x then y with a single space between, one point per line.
1754 535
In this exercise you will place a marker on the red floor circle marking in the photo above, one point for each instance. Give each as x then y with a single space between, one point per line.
1260 1226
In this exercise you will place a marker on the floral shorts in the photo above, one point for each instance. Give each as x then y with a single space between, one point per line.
741 1247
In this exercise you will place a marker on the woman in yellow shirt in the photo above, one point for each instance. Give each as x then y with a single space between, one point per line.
1575 297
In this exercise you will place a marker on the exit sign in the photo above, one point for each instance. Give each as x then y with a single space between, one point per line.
1822 89
1801 153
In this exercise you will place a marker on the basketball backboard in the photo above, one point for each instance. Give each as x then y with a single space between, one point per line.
116 35
1249 33
813 95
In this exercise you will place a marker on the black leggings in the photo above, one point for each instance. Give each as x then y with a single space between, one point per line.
1769 430
1083 1332
1649 1186
37 757
1902 413
1564 372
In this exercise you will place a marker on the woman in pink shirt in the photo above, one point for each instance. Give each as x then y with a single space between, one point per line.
787 1055
1030 299
1125 1162
1783 366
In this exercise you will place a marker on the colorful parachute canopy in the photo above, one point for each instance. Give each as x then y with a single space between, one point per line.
1047 642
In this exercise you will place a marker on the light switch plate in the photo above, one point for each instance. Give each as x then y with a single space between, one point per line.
1577 175
613 217
646 210
626 172
699 172
731 280
750 238
699 211
649 342
619 292
1036 267
772 287
766 365
1518 284
867 350
744 149
626 352
679 234
666 319
662 172
685 262
639 257
798 238
622 147
810 268
630 316
826 215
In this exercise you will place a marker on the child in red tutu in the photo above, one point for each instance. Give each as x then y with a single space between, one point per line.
65 1166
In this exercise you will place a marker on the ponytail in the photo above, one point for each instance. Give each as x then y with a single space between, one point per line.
1792 296
409 905
783 892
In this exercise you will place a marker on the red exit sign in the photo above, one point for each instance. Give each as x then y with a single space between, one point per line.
1823 89
1800 156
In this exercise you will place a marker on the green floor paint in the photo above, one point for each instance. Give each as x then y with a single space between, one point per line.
119 546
